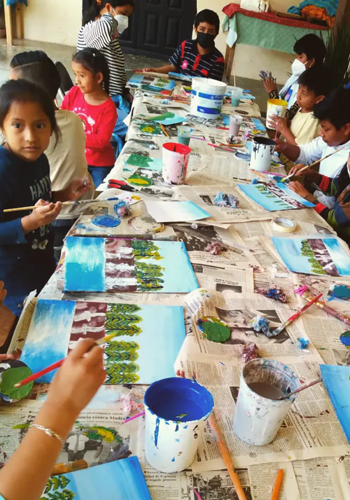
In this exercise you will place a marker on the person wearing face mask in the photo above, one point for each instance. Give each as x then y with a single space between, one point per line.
310 51
102 25
198 57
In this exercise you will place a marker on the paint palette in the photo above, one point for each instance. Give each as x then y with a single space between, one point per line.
13 371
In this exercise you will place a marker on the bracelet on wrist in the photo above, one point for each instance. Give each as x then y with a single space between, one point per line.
49 432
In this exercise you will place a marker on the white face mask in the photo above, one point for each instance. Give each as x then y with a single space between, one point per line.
123 22
298 67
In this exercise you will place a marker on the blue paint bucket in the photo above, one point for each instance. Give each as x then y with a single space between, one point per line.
176 413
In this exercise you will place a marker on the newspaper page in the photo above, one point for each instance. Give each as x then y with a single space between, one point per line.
229 282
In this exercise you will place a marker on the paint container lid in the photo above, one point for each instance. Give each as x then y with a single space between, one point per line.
179 399
175 147
264 141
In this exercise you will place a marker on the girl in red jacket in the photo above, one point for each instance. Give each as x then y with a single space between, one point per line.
90 100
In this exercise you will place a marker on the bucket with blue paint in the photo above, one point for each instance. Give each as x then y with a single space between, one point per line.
176 413
207 98
259 412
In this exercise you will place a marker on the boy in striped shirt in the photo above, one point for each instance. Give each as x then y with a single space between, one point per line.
198 57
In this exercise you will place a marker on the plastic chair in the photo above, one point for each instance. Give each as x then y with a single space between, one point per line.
66 81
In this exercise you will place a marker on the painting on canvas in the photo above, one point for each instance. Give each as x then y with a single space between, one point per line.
111 265
130 357
151 83
274 197
337 381
119 480
313 255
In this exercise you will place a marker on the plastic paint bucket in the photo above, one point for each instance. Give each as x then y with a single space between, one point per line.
184 135
257 416
175 162
235 123
276 107
262 152
176 413
207 98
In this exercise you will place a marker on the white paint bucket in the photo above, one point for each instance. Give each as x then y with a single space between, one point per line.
235 123
262 152
176 413
207 98
257 417
175 162
276 107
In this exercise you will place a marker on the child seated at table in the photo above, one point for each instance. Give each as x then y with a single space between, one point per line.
310 51
198 57
338 216
314 86
333 114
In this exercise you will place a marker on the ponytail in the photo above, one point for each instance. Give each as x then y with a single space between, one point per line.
98 5
94 61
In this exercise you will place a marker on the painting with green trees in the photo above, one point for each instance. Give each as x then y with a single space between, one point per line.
274 196
147 338
314 255
119 480
122 265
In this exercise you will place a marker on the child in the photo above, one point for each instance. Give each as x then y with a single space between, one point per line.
337 216
67 156
75 384
314 85
310 51
198 57
89 99
27 121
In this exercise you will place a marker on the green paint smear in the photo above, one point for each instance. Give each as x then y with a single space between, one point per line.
163 117
11 377
139 160
215 330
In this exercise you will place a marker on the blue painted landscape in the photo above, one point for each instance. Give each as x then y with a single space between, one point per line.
48 335
337 382
313 255
85 265
119 480
274 196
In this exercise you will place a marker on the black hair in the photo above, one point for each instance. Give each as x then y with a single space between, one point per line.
40 69
31 56
317 79
335 108
207 16
97 6
23 91
313 46
94 61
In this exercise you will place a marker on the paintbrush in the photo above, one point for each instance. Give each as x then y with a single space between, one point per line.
332 312
296 315
197 494
277 487
64 203
301 389
164 131
227 459
313 164
134 417
58 364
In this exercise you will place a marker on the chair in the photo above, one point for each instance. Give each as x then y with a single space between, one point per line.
66 81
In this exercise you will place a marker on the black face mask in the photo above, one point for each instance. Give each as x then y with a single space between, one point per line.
205 40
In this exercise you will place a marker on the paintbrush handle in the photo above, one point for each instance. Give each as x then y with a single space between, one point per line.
296 315
65 203
277 487
332 312
43 372
227 459
302 388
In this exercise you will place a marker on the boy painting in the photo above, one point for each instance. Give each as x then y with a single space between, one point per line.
198 57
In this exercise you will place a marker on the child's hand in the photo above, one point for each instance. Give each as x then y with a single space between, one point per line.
270 84
280 146
280 123
77 188
3 292
148 70
78 379
298 189
41 216
296 170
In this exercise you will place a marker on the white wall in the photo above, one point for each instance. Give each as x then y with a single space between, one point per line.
55 21
250 60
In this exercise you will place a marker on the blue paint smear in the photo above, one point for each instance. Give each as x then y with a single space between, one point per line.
85 264
173 459
169 398
337 382
106 221
156 433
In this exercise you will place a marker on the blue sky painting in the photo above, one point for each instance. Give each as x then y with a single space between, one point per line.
48 335
337 382
119 480
324 256
274 196
85 264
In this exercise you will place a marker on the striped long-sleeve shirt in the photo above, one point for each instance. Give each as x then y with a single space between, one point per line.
102 35
339 216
